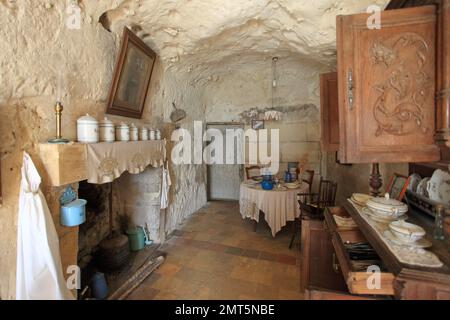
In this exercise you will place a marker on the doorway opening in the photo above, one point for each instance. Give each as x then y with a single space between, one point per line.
224 179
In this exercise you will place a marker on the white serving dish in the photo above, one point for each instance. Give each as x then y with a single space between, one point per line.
382 219
386 207
143 134
134 133
422 243
106 131
438 187
122 132
87 129
361 198
406 232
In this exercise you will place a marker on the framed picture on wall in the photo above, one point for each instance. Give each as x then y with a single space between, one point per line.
257 124
131 77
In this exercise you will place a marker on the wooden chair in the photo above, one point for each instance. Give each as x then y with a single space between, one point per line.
314 204
253 172
308 177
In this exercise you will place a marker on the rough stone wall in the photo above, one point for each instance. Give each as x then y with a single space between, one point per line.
35 46
355 178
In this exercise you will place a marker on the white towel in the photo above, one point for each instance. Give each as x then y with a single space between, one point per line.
39 271
165 186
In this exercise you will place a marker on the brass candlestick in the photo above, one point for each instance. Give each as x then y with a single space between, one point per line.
58 113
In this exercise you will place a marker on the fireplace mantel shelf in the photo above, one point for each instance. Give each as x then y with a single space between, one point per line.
100 162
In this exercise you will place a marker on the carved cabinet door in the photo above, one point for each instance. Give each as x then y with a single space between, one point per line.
329 110
386 82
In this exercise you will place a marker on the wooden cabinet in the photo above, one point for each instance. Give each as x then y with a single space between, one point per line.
317 258
329 111
387 86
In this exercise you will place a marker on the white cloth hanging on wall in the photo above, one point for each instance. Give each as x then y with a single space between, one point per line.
39 273
165 186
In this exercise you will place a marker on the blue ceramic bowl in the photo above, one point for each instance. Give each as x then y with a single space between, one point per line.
73 213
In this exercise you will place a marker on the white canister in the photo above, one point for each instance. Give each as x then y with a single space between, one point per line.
87 129
158 134
106 130
134 133
152 134
122 132
143 134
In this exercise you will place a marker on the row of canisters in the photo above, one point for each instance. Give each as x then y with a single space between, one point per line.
90 130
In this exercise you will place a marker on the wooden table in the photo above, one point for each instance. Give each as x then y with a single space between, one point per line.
278 206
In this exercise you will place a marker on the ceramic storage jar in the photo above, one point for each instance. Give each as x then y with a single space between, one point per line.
143 134
122 132
87 129
134 133
106 129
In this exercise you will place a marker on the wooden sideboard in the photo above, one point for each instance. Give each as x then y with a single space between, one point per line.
327 272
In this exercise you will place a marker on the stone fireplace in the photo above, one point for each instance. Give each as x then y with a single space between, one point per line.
135 201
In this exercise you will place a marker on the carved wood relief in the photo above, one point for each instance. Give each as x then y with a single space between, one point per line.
399 108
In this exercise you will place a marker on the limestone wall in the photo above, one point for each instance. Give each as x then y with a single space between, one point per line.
35 46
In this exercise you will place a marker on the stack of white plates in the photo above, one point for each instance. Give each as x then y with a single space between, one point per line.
292 185
360 199
344 222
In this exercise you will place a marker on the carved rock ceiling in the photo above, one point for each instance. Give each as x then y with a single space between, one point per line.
206 35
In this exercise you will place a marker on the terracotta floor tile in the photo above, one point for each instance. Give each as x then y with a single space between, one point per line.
168 269
143 293
216 255
234 251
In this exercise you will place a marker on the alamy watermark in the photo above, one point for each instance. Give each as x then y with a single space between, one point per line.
212 147
374 20
73 15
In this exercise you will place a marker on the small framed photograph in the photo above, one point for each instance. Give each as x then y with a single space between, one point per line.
257 124
397 186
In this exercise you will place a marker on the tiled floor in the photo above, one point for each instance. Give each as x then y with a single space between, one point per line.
216 255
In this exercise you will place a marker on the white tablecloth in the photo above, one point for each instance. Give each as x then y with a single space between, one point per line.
279 207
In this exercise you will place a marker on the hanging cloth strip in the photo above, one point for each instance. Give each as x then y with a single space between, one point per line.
165 186
39 273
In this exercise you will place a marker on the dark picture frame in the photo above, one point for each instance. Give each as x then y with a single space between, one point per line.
131 78
397 186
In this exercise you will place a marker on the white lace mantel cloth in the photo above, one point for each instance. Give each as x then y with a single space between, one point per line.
406 255
107 161
279 207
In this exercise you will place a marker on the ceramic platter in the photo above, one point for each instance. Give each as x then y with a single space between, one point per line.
414 181
378 218
422 187
361 199
422 243
438 187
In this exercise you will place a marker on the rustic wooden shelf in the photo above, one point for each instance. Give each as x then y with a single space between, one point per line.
427 281
64 163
